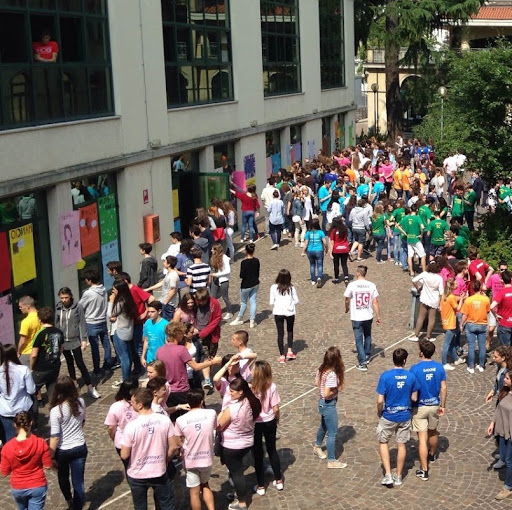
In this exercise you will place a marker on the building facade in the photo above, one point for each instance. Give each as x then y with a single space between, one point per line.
100 99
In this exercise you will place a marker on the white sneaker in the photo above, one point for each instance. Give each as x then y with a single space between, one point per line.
479 368
274 247
260 491
93 392
237 322
278 485
471 370
413 339
252 324
227 316
447 366
460 361
302 245
433 339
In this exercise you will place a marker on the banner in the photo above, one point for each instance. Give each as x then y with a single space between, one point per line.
311 149
276 162
89 230
69 227
269 166
23 258
249 166
296 152
175 204
5 264
238 179
109 252
6 321
108 218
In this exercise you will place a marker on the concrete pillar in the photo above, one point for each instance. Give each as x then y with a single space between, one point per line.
206 159
285 143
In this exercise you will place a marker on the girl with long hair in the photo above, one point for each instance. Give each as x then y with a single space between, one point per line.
250 206
502 358
186 311
500 428
67 440
196 350
389 221
221 270
379 230
120 413
329 380
266 425
333 208
232 220
24 457
122 311
229 370
447 272
315 246
283 297
339 248
236 423
449 306
16 389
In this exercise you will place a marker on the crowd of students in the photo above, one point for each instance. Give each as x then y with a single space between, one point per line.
372 197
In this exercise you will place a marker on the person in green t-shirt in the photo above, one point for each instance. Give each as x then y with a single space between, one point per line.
458 204
460 246
379 230
412 227
435 231
470 199
389 224
398 249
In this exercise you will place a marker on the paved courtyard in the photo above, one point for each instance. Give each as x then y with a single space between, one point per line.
460 479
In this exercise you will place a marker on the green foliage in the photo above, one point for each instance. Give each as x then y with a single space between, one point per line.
476 110
494 238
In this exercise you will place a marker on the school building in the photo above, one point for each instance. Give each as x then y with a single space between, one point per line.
101 99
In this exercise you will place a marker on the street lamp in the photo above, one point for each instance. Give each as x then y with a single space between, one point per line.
375 89
442 91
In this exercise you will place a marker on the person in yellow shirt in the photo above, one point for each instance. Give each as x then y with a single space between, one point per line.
397 182
406 183
29 328
474 319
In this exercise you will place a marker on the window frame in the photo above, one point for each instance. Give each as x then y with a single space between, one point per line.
59 70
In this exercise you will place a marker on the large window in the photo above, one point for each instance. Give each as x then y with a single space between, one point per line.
332 44
280 45
54 61
197 51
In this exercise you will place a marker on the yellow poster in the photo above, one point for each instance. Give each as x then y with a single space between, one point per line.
23 258
175 204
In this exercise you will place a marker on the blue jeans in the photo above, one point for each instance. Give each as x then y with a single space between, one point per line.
137 346
124 351
98 333
449 346
251 295
275 232
476 332
403 253
316 264
163 492
504 335
396 246
363 335
8 428
324 220
247 221
72 460
328 425
30 499
389 239
380 244
505 446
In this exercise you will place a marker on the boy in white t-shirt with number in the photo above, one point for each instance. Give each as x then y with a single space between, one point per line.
196 429
361 299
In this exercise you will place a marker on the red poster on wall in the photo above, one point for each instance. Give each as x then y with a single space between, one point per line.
5 263
89 230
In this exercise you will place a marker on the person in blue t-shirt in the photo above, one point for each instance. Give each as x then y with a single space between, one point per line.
397 389
315 245
431 378
324 196
153 333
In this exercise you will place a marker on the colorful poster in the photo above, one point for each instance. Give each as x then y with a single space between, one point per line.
276 162
311 150
89 230
249 166
23 258
269 166
177 225
296 152
175 204
109 252
238 179
351 140
6 321
69 227
5 264
108 218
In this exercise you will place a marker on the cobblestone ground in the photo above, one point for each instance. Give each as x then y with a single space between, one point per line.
460 479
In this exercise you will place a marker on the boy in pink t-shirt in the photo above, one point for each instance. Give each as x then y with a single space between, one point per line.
246 356
196 429
149 442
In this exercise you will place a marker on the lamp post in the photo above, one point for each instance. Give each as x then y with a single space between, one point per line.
442 91
375 89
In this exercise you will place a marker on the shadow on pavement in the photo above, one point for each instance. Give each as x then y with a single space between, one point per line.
102 489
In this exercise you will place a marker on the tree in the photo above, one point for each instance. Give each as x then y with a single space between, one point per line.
408 23
477 113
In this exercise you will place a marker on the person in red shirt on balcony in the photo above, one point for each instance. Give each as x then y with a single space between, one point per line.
45 50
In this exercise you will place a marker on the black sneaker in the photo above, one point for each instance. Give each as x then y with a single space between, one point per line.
422 475
432 458
363 368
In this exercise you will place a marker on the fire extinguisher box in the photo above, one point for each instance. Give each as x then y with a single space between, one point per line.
151 228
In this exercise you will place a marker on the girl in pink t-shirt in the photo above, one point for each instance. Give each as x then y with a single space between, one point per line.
121 413
229 370
236 423
266 424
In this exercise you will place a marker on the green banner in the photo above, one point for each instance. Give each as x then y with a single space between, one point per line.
108 218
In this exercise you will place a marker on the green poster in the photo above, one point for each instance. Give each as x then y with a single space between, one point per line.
108 218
